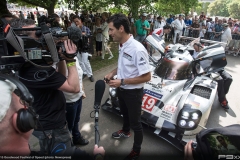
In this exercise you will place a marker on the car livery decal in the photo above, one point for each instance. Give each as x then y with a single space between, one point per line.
151 99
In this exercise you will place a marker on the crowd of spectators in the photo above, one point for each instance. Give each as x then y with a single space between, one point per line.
216 29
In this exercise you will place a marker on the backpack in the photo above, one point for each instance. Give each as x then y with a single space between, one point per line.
218 143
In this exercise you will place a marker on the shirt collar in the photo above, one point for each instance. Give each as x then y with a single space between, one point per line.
121 45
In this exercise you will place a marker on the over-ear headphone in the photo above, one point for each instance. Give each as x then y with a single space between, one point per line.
27 118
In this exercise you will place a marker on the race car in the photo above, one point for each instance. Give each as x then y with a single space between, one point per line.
177 100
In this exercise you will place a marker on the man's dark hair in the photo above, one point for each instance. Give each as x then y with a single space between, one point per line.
167 27
80 18
119 20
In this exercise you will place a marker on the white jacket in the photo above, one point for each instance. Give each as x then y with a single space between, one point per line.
179 25
226 35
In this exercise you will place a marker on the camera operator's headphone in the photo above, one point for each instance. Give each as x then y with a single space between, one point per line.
27 118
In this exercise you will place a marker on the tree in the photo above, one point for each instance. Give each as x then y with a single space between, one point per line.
47 4
165 7
234 8
202 7
219 8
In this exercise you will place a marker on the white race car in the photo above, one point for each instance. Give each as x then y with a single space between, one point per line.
177 100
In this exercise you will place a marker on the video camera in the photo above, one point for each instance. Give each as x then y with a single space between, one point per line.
16 47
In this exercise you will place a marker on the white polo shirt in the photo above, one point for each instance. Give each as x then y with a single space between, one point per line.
132 62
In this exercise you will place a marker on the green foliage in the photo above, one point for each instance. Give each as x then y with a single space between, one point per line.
234 9
219 8
166 7
202 7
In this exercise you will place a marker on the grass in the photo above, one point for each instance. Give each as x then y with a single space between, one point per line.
97 62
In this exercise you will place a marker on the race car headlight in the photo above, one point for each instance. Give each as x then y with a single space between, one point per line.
112 92
182 122
189 118
191 124
185 115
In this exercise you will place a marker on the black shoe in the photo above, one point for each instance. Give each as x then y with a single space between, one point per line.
91 78
224 104
132 156
80 141
120 134
83 76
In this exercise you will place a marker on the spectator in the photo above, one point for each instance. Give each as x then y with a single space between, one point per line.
105 28
226 35
67 23
218 28
195 28
97 29
21 16
141 27
159 23
32 16
178 26
234 44
83 56
202 31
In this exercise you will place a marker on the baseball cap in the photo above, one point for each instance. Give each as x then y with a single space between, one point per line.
225 24
144 14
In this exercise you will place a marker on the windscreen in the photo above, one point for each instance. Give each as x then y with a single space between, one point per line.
173 70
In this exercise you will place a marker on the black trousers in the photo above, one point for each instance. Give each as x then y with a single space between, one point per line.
130 101
224 84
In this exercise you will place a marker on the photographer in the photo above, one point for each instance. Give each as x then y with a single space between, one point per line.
46 86
83 56
13 141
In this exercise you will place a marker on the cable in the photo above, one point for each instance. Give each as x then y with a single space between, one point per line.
37 76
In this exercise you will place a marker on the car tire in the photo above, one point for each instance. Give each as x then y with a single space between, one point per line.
201 91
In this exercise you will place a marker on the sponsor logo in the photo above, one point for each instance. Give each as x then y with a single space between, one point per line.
127 56
141 59
151 93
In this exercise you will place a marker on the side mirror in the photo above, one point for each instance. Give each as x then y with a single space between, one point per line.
156 42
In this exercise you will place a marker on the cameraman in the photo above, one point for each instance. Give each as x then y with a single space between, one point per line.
46 86
13 141
83 56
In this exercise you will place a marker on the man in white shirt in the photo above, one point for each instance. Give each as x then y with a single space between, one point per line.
132 72
159 23
226 35
178 25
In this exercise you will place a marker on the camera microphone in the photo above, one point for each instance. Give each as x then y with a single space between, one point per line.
99 90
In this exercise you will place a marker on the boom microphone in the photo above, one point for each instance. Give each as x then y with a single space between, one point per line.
99 90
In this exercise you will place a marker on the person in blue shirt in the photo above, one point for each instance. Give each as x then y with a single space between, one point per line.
188 22
170 19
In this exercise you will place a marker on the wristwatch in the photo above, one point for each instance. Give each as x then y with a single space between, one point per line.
122 82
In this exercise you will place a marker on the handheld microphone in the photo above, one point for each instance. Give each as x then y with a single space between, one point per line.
99 90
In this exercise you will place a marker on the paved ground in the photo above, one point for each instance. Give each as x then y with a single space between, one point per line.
152 145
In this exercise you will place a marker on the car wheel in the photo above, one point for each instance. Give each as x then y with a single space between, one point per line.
201 91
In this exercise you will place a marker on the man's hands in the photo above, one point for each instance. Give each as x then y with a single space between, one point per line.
188 151
98 150
70 47
112 82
